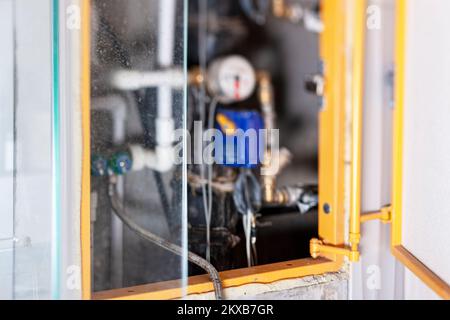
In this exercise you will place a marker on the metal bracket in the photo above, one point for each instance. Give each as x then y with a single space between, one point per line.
384 215
317 247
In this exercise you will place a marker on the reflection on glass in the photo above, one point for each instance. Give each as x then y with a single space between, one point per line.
135 112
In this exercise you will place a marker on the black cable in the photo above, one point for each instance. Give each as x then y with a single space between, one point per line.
162 192
149 236
247 193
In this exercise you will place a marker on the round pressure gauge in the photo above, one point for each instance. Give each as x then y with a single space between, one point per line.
231 79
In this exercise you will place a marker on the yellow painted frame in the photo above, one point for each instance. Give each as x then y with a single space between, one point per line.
233 278
332 138
352 27
86 165
398 250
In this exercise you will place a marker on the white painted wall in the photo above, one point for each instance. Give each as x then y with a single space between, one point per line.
426 152
378 275
6 148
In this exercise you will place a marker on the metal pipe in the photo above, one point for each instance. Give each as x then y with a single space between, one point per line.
165 125
270 193
384 215
265 95
357 118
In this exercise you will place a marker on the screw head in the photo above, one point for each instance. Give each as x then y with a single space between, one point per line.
327 208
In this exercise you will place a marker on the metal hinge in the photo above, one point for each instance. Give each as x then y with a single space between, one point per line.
317 247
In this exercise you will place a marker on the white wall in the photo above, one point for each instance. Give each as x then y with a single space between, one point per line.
378 275
426 132
6 147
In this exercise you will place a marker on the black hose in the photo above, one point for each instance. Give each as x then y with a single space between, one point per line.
247 193
149 236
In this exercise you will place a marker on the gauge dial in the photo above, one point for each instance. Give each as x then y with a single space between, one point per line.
231 79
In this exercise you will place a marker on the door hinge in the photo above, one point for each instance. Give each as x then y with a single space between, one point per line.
318 248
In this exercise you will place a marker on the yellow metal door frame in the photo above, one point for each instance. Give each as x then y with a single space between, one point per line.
398 250
341 129
333 136
86 140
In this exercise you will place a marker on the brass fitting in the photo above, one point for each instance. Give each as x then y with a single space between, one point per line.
314 248
279 8
282 10
268 186
196 77
271 193
265 93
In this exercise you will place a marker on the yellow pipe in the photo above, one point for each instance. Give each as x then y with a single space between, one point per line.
196 77
384 215
357 118
397 184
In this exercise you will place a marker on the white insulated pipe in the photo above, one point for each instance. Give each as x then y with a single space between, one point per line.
166 45
166 32
133 80
162 157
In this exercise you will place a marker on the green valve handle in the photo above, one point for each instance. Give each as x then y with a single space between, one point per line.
120 163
